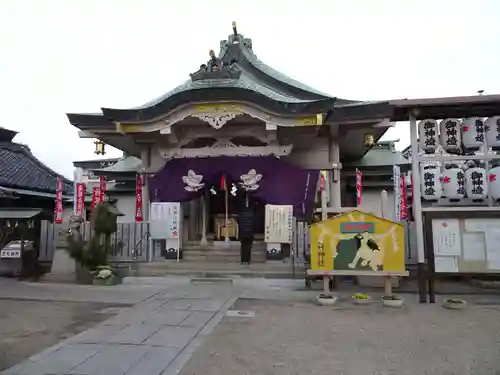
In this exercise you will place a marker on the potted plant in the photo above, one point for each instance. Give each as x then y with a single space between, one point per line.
361 299
454 304
392 301
104 275
326 299
92 255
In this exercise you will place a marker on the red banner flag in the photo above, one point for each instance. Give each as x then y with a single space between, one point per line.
138 199
223 182
403 200
359 187
80 199
59 201
96 196
322 174
102 188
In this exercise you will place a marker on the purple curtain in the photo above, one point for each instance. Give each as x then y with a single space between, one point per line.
281 182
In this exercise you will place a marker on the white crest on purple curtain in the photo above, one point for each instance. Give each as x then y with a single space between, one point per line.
193 181
250 180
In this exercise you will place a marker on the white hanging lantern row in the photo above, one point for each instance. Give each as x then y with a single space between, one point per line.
494 181
492 127
450 134
475 183
453 180
431 184
428 135
473 133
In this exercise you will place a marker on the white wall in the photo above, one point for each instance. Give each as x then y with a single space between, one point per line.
126 205
372 202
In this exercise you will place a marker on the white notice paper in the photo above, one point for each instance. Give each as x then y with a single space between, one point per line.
481 225
156 212
446 264
493 245
446 237
474 245
494 264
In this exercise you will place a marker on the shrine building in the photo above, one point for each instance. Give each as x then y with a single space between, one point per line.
237 124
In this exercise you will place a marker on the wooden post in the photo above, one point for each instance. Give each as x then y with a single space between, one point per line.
326 284
388 286
226 239
204 219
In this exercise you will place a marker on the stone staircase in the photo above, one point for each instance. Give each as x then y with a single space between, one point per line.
219 251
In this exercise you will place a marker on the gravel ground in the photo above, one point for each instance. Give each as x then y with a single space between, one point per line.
287 338
26 327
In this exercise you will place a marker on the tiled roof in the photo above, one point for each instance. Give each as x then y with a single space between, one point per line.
19 168
5 194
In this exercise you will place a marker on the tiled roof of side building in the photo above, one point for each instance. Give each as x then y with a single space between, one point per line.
19 168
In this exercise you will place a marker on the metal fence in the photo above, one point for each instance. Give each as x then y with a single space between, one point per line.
130 242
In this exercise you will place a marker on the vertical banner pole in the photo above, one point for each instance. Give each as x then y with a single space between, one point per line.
138 199
227 210
396 177
359 187
417 207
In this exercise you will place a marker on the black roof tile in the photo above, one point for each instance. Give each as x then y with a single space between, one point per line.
19 168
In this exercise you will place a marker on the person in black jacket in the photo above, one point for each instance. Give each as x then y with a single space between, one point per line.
246 232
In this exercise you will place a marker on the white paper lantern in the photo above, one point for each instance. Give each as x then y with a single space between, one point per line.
494 182
492 127
453 180
475 183
428 135
450 134
431 184
473 133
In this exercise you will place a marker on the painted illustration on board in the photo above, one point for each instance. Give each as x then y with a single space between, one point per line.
357 241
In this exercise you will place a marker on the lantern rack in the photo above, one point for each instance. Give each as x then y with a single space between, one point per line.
443 204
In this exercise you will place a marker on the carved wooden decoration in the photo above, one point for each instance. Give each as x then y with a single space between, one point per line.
216 120
225 147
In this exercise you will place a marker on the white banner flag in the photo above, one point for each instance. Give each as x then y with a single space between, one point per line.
396 176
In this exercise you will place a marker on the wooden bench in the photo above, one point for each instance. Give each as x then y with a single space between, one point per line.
328 274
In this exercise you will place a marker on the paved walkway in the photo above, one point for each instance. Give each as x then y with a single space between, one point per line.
156 336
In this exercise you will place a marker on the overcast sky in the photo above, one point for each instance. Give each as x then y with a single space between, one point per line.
61 56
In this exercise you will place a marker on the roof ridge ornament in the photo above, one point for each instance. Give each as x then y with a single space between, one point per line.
215 68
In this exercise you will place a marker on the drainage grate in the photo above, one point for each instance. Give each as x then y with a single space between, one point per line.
241 313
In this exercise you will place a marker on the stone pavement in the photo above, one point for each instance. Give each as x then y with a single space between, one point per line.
157 336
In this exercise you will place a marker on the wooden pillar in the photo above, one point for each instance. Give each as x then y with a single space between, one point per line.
335 185
192 220
204 219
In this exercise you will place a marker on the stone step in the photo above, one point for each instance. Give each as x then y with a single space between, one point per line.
228 252
221 258
269 269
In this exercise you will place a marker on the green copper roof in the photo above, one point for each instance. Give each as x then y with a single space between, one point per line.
383 154
127 164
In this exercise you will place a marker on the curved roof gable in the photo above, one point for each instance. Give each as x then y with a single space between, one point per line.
235 74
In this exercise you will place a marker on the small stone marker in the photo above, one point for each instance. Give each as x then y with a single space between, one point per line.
241 313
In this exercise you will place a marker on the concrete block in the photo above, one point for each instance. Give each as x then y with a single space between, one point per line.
172 336
96 335
208 305
133 334
212 280
376 281
198 319
178 304
154 362
112 360
177 364
168 318
61 361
